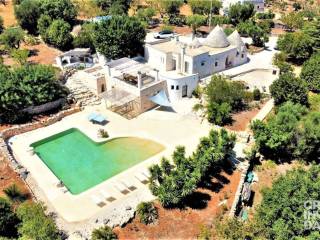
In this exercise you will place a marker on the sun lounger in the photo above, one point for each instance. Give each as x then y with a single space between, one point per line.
142 178
98 201
129 184
97 118
121 187
107 196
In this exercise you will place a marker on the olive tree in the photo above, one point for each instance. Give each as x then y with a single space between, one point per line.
120 36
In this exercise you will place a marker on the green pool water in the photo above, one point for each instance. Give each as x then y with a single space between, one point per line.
81 163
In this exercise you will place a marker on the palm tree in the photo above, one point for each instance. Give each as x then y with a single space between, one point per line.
14 194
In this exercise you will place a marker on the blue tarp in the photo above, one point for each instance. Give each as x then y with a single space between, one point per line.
161 99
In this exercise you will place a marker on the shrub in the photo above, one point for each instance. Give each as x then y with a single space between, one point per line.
289 88
85 37
25 86
205 233
219 113
27 14
298 46
44 23
8 220
12 37
59 9
35 224
14 193
195 21
204 7
167 28
241 12
20 55
311 72
147 212
1 25
103 133
120 36
103 233
256 94
59 35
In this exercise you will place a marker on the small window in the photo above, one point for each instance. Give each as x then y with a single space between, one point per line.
242 55
172 87
216 64
177 87
203 63
238 53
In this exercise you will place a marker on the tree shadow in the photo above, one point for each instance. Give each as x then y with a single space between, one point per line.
197 200
33 52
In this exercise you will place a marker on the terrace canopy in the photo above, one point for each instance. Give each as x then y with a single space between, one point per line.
161 99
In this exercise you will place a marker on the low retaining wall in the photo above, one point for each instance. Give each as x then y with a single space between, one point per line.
19 129
244 170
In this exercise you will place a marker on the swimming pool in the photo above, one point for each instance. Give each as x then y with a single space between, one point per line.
81 163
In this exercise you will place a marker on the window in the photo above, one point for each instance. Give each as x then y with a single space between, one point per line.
186 67
203 63
238 53
177 87
172 87
242 55
216 64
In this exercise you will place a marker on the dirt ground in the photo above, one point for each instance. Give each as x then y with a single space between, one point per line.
40 53
9 177
268 172
7 13
241 120
186 223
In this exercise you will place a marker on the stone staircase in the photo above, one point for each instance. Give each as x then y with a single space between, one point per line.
80 92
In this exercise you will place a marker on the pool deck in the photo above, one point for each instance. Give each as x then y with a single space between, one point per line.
167 128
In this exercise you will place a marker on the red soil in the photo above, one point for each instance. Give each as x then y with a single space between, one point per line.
186 223
7 13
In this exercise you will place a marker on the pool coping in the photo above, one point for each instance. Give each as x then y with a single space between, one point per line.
59 199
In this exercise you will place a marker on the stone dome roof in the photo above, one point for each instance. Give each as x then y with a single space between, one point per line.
235 39
217 38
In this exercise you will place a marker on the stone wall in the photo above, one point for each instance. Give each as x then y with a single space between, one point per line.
22 128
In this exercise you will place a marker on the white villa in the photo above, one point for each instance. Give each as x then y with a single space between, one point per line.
169 71
183 63
258 4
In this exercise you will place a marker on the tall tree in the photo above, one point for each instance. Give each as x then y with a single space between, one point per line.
60 9
289 88
311 72
27 14
12 37
120 36
204 7
241 12
8 220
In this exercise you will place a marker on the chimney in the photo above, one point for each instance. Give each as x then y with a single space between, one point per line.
182 53
139 80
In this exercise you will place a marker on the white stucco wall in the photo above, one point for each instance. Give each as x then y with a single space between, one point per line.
175 85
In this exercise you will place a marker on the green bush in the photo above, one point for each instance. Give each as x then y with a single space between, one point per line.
85 37
14 194
12 37
103 133
147 212
27 14
35 224
59 9
103 233
59 35
289 88
310 73
44 23
1 25
204 7
219 113
256 94
120 36
25 86
8 220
